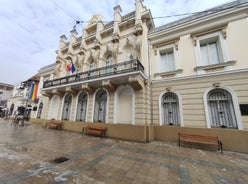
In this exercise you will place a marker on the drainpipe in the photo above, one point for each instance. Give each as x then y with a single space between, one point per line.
150 82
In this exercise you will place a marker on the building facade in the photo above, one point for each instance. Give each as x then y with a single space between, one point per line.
25 94
5 95
148 83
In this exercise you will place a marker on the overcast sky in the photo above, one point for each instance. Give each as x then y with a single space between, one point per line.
30 29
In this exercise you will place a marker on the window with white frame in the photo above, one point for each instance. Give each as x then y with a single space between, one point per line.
170 109
211 52
82 107
67 107
211 49
166 60
221 109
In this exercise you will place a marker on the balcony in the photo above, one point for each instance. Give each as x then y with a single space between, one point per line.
128 72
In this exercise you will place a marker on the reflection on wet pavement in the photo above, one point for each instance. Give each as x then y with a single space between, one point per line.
27 156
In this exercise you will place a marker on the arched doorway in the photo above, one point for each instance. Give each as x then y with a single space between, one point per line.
100 106
170 109
82 107
67 107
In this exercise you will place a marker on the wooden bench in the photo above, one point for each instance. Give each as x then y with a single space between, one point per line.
55 124
95 130
200 139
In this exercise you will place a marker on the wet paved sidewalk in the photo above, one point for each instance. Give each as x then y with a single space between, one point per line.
27 154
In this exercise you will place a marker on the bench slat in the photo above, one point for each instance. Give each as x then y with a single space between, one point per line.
201 139
55 124
95 130
202 142
199 136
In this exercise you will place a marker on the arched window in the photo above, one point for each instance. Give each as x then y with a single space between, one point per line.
100 106
40 110
170 109
82 107
109 61
11 109
221 109
67 107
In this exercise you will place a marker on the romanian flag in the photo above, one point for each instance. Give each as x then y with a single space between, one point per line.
71 67
68 67
33 91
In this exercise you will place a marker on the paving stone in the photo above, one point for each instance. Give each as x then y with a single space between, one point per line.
26 155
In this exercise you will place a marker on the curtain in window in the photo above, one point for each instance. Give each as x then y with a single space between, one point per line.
213 53
209 54
162 64
82 107
170 110
167 62
221 109
67 107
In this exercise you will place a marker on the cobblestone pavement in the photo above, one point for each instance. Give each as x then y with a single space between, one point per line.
27 154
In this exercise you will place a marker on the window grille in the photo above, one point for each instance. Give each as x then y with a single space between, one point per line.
170 108
67 107
221 109
82 107
100 106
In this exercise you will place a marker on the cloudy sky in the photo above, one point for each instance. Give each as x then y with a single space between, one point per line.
30 29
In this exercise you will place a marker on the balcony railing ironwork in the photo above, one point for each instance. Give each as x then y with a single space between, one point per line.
111 70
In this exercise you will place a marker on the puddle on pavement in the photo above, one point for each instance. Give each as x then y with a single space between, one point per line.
60 160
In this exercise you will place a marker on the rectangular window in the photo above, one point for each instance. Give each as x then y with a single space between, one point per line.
211 49
167 62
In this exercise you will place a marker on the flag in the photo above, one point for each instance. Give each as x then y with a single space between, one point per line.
33 91
34 96
73 69
68 67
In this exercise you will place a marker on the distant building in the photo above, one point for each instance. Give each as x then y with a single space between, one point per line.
148 83
5 94
25 93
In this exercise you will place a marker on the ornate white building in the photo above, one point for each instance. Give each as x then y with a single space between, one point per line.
146 83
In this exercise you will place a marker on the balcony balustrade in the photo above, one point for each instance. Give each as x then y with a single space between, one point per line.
98 73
